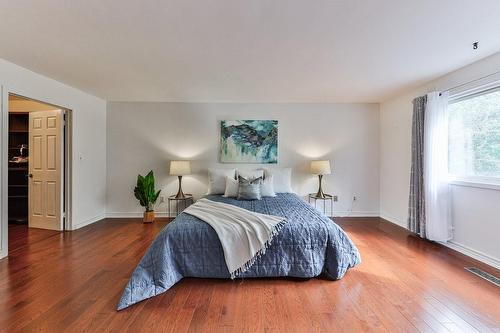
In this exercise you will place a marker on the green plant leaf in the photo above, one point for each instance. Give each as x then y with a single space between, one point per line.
145 191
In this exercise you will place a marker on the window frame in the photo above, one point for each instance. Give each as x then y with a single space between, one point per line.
463 93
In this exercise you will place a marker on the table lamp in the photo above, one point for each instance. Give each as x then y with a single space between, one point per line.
180 168
320 168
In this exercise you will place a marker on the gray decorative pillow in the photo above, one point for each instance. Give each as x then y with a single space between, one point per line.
249 189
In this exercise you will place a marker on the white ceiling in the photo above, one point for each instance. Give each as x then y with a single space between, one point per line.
247 50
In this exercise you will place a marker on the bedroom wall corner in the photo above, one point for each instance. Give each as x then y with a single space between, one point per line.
474 210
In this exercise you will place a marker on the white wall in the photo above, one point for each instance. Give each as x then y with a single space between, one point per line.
144 136
89 137
474 210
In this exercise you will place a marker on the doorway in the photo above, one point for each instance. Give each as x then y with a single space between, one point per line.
38 169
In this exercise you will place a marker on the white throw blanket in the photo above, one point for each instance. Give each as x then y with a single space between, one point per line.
244 235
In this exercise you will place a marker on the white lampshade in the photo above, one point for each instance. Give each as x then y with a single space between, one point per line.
180 168
320 168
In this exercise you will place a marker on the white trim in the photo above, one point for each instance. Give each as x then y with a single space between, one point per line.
393 220
465 250
469 91
4 134
68 171
489 82
480 256
4 116
471 183
113 215
350 213
88 221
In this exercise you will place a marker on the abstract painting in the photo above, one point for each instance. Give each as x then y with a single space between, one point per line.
249 141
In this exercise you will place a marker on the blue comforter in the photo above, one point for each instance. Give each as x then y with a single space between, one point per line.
310 244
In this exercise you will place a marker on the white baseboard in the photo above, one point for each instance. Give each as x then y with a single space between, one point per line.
124 215
465 250
3 253
480 256
112 215
353 214
88 221
393 219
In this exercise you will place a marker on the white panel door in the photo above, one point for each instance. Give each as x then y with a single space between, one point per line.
45 188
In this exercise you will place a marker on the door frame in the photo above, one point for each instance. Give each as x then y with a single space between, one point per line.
4 181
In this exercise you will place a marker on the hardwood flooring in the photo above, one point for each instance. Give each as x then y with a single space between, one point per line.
57 282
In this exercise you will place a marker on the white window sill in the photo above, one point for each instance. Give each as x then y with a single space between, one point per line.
474 183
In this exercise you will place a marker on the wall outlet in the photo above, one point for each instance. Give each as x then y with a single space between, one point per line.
354 198
335 198
162 199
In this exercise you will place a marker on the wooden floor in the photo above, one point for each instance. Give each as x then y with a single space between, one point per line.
72 282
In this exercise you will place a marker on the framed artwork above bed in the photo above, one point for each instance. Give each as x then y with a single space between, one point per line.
249 141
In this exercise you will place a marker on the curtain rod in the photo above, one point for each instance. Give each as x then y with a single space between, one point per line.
466 83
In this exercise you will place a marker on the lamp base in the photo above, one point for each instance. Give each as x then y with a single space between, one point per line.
180 194
320 193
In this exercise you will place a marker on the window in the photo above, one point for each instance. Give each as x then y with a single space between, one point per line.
474 137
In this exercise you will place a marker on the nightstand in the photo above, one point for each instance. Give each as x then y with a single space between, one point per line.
325 200
184 200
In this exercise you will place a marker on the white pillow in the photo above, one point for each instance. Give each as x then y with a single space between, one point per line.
217 180
282 179
250 174
232 186
267 187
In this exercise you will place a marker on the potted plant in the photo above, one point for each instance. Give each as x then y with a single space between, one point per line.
145 192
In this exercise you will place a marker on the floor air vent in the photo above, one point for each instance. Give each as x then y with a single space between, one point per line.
484 275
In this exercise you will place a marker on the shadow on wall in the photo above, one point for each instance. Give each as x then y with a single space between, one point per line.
154 151
156 155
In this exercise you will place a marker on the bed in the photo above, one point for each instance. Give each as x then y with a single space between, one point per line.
309 245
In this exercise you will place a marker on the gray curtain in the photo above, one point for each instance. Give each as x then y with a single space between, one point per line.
416 204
